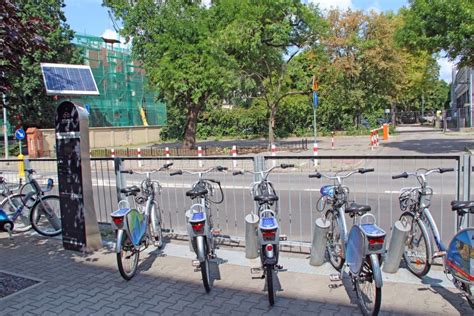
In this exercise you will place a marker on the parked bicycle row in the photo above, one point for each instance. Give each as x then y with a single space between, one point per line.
362 249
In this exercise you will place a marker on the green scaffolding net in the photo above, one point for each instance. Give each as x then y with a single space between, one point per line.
124 98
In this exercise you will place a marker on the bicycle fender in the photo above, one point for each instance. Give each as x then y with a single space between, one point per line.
374 261
201 248
428 241
118 244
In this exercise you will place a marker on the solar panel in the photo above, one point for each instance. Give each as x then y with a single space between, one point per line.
62 79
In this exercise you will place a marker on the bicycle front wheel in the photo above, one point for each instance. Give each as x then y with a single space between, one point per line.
45 216
369 296
206 275
127 259
10 205
415 253
335 241
270 287
155 226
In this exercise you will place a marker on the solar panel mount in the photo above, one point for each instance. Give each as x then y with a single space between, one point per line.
68 80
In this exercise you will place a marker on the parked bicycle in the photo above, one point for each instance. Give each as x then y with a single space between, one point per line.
31 207
136 227
199 220
268 231
424 235
362 249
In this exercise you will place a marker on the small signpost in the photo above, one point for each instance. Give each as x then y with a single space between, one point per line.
20 135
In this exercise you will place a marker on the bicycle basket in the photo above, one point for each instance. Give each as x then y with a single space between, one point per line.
409 199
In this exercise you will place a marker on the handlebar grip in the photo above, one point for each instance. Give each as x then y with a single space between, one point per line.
401 175
167 165
236 173
365 170
220 168
176 173
284 165
316 175
126 171
443 170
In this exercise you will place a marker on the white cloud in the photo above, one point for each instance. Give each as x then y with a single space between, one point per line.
328 4
445 71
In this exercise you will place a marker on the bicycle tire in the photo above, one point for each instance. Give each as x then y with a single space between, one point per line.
42 223
416 230
363 300
336 259
155 226
127 251
32 198
22 223
205 273
270 287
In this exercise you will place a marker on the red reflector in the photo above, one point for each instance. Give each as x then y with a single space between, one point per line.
117 220
198 226
269 247
376 240
268 233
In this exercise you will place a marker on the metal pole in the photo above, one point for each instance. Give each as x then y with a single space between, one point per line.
314 123
5 130
470 96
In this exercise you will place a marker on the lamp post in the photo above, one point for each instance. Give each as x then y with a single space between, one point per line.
5 130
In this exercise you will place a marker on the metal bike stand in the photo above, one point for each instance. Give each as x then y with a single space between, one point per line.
397 245
251 223
318 246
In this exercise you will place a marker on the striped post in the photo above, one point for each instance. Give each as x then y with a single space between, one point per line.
199 152
274 151
376 138
372 140
332 140
315 154
234 154
112 153
139 154
167 154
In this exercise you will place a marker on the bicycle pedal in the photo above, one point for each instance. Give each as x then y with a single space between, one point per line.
283 238
216 231
439 254
278 267
259 277
334 286
255 270
335 277
196 263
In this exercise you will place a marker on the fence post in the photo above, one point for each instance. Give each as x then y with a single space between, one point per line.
120 180
234 154
315 154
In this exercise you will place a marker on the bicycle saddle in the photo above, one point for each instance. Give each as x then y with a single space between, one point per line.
133 190
198 190
266 198
360 209
461 206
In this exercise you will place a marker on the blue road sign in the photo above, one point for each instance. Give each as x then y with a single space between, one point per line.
20 134
315 99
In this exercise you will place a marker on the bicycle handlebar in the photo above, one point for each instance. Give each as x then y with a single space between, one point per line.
336 177
181 171
164 167
266 172
420 174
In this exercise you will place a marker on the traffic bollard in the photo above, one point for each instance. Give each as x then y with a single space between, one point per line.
318 246
397 246
251 224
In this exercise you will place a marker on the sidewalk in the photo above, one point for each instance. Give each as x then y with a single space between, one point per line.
77 284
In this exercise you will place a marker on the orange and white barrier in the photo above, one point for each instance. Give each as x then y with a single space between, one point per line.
274 151
315 154
199 152
233 152
139 154
374 138
112 153
167 154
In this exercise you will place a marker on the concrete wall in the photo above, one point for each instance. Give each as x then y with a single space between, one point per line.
109 137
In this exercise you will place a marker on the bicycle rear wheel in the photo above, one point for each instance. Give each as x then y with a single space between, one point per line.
335 241
127 259
45 216
10 205
415 253
270 287
369 296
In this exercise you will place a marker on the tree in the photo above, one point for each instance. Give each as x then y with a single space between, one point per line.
264 37
33 32
438 25
176 42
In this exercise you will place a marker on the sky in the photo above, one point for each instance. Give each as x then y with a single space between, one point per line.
90 17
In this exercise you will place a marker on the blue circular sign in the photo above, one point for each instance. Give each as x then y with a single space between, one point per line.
20 134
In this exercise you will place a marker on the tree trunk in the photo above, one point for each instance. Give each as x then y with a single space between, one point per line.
189 141
394 114
271 125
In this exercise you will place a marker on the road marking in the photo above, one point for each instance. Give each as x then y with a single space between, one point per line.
396 192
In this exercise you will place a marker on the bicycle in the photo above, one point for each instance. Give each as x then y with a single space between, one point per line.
419 250
362 249
135 227
44 210
199 221
13 208
268 231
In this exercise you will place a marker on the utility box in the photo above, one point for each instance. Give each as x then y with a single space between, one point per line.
80 229
34 138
